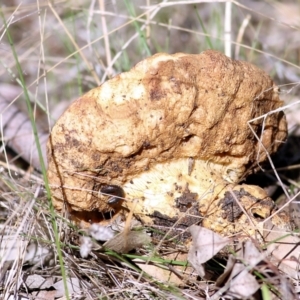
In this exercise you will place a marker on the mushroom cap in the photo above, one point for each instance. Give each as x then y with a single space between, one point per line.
173 125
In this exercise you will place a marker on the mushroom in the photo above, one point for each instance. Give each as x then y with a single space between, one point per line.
173 134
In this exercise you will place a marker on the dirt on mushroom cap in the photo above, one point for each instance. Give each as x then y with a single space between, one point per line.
164 111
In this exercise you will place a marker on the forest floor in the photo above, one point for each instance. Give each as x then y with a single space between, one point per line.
51 53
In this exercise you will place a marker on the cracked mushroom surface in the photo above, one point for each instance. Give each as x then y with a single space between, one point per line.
173 134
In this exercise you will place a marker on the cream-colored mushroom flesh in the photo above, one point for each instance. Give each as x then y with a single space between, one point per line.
171 132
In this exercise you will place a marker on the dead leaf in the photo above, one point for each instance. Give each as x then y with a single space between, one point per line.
73 287
240 281
44 295
125 241
228 270
166 275
244 284
250 255
205 245
283 249
36 281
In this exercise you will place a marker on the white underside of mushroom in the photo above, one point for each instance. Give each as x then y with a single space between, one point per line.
158 188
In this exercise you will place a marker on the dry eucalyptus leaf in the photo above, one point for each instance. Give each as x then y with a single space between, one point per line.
284 250
205 245
42 295
36 281
126 241
241 282
173 126
38 254
244 285
236 277
227 272
175 275
250 255
163 275
73 284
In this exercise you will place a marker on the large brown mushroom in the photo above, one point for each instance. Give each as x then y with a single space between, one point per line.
173 134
